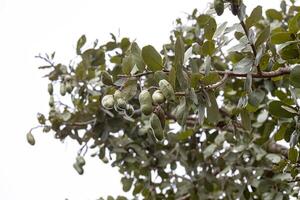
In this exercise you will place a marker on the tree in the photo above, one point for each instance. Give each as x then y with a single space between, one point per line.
199 119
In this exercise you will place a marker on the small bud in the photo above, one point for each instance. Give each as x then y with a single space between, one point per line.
78 168
80 161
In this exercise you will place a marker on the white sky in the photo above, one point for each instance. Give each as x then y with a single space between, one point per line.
29 27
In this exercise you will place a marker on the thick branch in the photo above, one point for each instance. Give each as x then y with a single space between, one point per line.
271 74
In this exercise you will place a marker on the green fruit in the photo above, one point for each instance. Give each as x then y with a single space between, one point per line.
108 101
117 94
80 161
63 69
158 97
156 127
51 101
67 78
78 168
30 138
69 87
219 6
167 90
121 104
50 88
63 89
146 109
145 100
106 78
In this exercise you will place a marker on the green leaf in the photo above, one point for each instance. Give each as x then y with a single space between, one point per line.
211 78
129 89
213 114
137 56
275 108
263 37
279 135
179 53
209 150
289 51
256 97
208 48
294 24
185 134
244 65
281 37
81 41
274 158
127 183
127 64
293 155
295 77
246 120
273 14
202 20
152 58
220 30
255 16
210 28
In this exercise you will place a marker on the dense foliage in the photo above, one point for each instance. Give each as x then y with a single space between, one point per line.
199 119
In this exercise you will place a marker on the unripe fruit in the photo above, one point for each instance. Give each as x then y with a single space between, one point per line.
219 6
30 138
80 161
78 168
108 101
121 104
63 89
69 87
106 78
158 97
167 90
50 88
67 78
156 127
117 94
51 101
145 100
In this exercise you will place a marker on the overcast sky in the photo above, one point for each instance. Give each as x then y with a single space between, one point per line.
29 27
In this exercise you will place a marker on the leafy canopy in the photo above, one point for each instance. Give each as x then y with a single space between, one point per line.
200 118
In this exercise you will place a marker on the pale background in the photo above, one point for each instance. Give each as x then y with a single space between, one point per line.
29 27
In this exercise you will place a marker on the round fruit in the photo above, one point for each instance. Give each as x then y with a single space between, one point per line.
145 100
117 94
121 104
69 87
158 97
30 138
167 90
108 101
